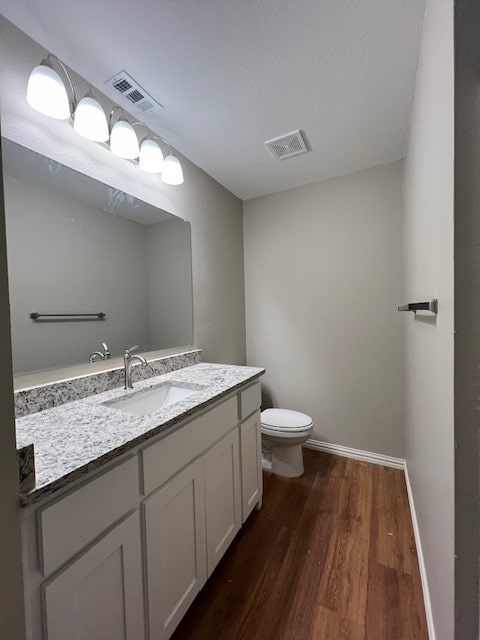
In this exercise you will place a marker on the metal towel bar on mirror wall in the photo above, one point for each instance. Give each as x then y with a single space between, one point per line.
431 306
52 317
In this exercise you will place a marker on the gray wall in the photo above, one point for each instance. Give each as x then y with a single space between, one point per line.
12 625
467 325
169 283
428 272
323 280
215 214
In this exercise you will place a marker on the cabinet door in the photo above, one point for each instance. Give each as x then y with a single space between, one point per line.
251 460
100 595
175 548
223 496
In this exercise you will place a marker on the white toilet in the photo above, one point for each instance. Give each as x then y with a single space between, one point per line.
283 433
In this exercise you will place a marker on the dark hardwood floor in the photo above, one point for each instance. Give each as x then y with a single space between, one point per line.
330 556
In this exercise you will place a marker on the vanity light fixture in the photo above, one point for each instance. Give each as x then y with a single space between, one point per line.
172 171
90 120
151 157
123 140
47 94
46 91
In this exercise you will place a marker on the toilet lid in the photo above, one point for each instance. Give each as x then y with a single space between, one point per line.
286 419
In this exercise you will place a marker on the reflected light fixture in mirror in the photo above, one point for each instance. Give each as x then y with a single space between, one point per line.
90 120
46 93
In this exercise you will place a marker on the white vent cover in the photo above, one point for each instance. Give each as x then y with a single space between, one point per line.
132 93
287 146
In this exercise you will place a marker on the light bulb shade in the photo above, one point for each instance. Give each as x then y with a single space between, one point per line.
46 93
172 171
90 120
124 141
151 157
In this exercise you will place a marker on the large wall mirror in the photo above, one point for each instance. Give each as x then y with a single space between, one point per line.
113 269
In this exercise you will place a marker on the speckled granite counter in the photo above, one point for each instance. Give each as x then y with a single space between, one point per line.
75 438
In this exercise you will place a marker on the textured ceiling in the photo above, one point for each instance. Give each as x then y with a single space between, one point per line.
234 73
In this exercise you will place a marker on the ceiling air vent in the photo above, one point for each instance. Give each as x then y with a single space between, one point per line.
132 93
287 146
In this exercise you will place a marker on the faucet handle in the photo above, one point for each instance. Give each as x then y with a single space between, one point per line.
128 351
106 351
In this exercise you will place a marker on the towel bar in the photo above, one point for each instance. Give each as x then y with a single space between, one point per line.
34 315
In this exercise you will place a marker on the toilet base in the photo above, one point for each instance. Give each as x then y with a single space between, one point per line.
288 461
266 464
285 460
266 455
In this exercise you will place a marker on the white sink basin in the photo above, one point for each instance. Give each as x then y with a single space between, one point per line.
153 400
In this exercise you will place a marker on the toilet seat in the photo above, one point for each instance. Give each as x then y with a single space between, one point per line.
285 421
286 436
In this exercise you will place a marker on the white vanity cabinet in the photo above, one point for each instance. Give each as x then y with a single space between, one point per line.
175 551
223 496
100 595
249 401
251 458
131 547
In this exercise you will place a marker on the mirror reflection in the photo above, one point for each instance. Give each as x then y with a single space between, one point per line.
92 270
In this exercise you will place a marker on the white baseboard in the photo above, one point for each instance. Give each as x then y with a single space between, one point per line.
356 454
396 463
421 559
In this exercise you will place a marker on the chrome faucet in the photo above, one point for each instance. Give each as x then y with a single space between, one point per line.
128 360
98 355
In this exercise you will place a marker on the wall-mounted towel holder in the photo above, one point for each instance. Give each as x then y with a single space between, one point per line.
431 306
34 315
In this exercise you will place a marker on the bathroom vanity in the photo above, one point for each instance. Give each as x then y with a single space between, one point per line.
131 513
130 496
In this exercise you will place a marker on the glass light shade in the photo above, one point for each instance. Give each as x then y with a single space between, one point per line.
172 172
151 157
124 141
46 93
90 120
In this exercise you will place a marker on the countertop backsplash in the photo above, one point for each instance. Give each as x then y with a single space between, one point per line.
46 396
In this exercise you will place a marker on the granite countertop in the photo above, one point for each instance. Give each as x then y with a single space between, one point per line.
75 438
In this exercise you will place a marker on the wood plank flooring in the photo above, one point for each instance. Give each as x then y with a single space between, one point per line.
330 556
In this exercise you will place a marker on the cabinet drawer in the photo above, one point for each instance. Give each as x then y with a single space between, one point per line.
163 459
68 525
250 400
